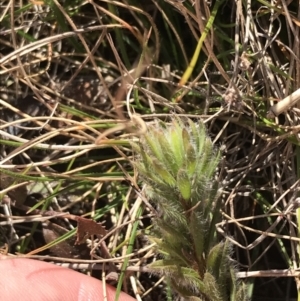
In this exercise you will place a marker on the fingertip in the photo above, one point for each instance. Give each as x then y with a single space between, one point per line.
31 280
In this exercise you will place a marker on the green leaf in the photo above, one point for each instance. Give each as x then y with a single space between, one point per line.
146 160
199 137
184 184
136 147
185 138
211 288
191 162
169 158
198 230
151 142
214 259
148 175
164 174
175 140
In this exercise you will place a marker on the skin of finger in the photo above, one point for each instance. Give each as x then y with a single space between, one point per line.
32 280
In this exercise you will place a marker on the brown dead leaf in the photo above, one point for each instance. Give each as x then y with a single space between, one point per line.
19 193
87 228
66 248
